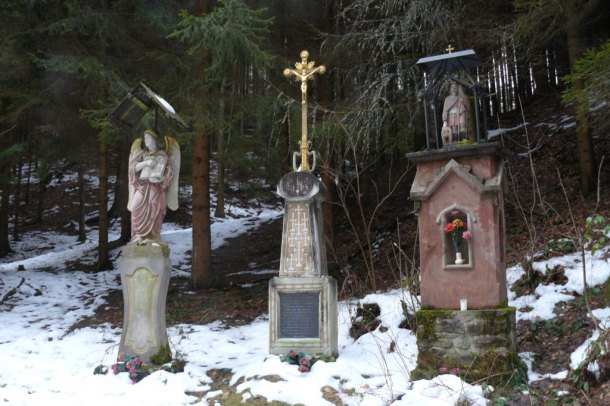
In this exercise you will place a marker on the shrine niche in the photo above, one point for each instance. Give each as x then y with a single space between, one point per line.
456 228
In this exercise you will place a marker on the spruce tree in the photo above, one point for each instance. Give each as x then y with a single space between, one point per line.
221 40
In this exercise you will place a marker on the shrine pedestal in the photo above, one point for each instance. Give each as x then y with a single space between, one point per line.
459 194
303 315
303 298
145 273
481 344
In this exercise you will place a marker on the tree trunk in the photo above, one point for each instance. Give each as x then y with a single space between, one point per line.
201 261
284 144
201 268
5 184
82 233
103 261
121 191
26 198
586 159
17 200
43 179
220 156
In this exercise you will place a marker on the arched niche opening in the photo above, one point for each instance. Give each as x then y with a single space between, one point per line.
455 228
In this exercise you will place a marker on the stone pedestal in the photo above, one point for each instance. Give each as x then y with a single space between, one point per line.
145 273
463 185
303 298
303 315
480 343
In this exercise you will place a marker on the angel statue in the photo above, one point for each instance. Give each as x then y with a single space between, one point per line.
153 186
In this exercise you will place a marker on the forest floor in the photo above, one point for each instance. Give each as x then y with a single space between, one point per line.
537 218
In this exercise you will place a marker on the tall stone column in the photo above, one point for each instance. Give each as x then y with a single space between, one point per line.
303 298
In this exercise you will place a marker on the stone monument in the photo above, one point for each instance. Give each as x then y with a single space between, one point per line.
303 298
464 321
144 265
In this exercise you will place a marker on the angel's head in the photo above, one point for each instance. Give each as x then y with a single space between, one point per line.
150 140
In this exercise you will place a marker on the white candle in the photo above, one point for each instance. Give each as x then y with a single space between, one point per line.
463 304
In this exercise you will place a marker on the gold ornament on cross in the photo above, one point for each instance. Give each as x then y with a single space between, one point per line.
449 49
303 72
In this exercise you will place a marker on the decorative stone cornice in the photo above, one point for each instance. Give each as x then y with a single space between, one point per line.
423 192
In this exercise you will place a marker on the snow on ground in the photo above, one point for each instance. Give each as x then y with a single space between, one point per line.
540 304
45 363
499 131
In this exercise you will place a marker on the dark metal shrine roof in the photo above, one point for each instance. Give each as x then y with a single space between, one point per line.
450 62
137 103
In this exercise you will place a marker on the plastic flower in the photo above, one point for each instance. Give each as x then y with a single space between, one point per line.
121 357
458 223
442 370
139 361
457 230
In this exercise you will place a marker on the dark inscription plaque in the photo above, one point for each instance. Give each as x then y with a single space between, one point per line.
299 315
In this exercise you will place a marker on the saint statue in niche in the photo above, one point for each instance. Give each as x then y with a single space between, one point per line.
456 110
153 186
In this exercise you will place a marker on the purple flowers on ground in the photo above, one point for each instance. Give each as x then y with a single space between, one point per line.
133 365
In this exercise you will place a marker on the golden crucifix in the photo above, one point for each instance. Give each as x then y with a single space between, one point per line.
304 71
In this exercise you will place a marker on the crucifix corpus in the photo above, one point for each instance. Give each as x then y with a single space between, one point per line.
303 72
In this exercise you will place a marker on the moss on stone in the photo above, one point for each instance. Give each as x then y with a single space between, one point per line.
163 356
495 368
498 361
495 316
426 323
429 364
503 305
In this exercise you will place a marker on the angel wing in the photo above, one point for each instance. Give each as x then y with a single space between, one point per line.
136 147
173 152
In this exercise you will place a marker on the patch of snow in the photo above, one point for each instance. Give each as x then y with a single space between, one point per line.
255 272
494 133
578 356
598 106
540 304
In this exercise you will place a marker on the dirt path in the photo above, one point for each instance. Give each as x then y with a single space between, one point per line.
251 257
243 266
